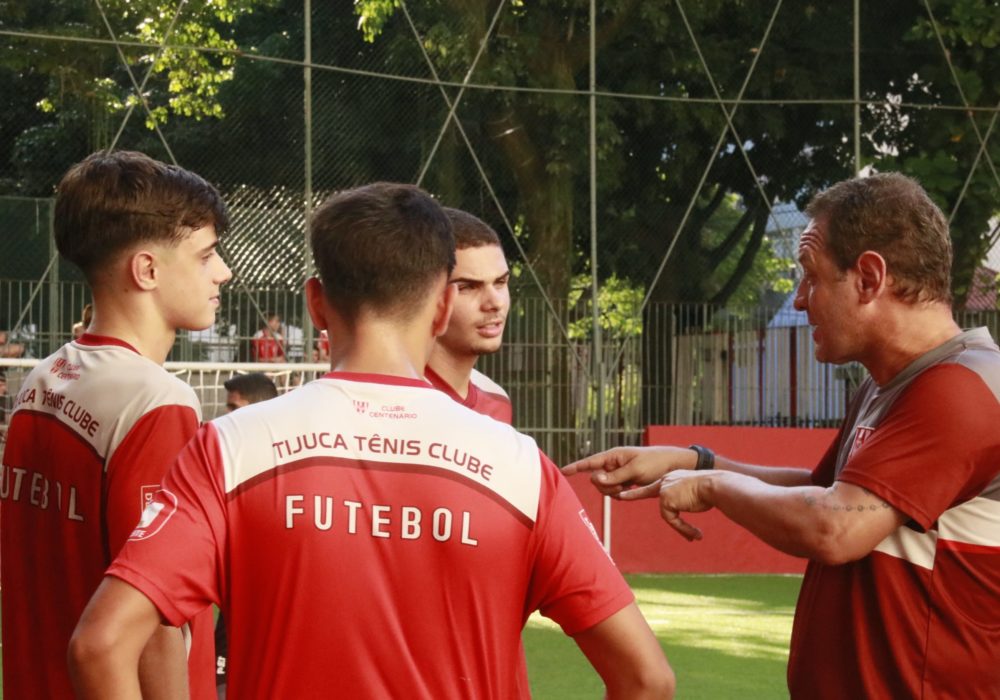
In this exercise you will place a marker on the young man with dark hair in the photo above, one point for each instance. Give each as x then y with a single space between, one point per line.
245 389
900 520
366 536
96 424
481 277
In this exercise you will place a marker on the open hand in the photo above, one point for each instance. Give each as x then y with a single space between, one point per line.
680 491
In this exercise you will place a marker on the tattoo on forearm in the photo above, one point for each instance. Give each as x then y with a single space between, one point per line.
870 504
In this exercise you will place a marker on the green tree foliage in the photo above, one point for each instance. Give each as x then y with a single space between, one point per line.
653 151
948 156
85 88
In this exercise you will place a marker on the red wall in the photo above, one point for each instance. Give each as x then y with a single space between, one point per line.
642 542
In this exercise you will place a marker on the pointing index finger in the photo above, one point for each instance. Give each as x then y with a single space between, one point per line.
599 461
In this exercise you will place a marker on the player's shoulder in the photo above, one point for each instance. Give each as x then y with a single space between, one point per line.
484 383
128 377
977 351
114 373
152 384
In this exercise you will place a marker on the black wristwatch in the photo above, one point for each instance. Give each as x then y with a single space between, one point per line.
706 458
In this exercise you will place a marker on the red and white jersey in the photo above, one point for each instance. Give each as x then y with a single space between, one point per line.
485 395
268 346
94 429
919 616
367 537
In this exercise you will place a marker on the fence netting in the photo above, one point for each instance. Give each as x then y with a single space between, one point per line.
671 182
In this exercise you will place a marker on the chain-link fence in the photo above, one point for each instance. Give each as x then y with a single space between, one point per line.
634 157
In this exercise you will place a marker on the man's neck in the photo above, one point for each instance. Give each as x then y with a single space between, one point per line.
381 348
903 338
456 370
140 328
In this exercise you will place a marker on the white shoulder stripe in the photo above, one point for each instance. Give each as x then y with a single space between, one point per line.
388 424
976 521
486 384
915 547
102 392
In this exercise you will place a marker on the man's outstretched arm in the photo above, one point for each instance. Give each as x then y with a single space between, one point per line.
627 656
118 632
621 468
831 525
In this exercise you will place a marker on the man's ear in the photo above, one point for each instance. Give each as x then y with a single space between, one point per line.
316 303
873 275
143 271
442 314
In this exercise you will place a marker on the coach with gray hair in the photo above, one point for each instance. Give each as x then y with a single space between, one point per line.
900 520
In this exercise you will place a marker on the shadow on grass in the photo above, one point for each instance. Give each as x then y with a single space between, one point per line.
725 637
747 591
558 670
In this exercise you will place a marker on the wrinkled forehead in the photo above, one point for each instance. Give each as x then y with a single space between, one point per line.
812 243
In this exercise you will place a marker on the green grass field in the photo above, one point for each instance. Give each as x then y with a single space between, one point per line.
725 636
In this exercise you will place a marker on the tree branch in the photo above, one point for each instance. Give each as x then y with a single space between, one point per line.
722 251
746 260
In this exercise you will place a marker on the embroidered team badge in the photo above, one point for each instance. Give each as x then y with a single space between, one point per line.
361 406
861 436
160 509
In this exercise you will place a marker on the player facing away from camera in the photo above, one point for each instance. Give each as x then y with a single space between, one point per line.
482 301
365 535
96 424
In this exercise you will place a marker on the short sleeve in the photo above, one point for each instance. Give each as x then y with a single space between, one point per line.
937 446
136 468
574 581
175 554
826 470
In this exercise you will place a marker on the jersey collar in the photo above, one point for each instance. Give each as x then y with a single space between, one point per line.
92 340
377 379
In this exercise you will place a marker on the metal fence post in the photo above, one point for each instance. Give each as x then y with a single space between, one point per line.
55 305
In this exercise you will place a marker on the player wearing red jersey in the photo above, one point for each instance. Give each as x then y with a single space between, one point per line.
268 343
481 277
365 535
96 425
901 518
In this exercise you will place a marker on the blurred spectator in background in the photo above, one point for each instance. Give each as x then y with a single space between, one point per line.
321 348
245 389
268 344
8 349
81 326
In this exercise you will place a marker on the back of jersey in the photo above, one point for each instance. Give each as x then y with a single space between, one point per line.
71 418
368 537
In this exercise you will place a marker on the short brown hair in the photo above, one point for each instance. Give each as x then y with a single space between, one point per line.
890 214
381 246
113 200
470 231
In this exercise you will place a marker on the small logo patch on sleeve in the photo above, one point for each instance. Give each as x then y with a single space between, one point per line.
162 505
146 493
861 435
